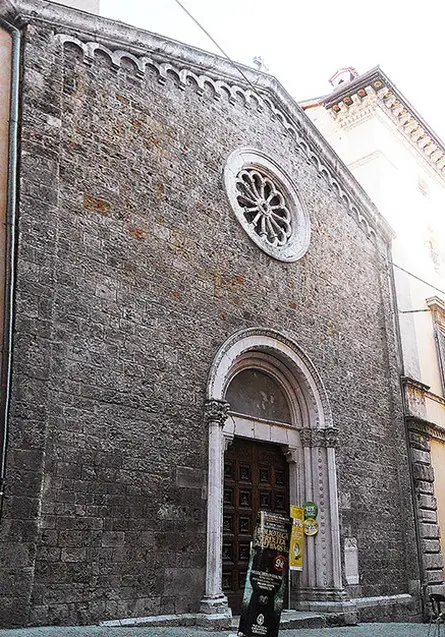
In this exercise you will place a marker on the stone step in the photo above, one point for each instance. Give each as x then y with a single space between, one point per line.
294 619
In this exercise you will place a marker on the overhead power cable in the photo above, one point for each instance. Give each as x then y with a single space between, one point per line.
226 55
399 267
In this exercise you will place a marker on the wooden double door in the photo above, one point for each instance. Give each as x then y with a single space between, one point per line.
256 476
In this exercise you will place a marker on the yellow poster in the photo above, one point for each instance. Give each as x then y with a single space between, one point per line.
297 539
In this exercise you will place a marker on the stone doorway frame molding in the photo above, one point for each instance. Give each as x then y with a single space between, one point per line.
309 443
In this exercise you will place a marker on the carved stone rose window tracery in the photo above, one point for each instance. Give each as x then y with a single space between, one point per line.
265 207
267 204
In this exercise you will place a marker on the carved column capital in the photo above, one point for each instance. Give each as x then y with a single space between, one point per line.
216 411
306 436
319 438
331 437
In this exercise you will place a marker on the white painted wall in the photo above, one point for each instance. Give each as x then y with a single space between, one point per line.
390 169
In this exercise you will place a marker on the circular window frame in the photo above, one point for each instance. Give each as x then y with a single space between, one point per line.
250 158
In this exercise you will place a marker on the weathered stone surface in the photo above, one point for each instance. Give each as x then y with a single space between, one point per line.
431 546
423 472
421 456
427 502
429 530
434 576
434 561
189 478
427 515
424 487
132 271
417 441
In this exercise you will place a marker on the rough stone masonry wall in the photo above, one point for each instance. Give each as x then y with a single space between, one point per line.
132 271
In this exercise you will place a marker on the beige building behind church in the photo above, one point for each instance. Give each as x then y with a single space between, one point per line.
400 162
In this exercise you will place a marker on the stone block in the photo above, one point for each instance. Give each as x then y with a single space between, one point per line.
16 554
430 546
433 561
39 615
430 531
424 487
13 611
113 538
427 515
73 555
27 459
423 457
351 561
423 472
427 502
145 606
434 576
179 580
417 441
188 477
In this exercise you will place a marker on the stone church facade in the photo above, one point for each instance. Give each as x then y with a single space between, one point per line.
203 324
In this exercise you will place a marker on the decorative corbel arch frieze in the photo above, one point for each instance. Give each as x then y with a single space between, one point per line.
260 100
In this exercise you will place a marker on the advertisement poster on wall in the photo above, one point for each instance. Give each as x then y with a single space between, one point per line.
310 524
266 576
296 549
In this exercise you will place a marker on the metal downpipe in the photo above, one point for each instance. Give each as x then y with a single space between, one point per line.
10 241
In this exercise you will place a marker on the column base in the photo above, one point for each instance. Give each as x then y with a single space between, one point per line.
214 613
327 600
314 594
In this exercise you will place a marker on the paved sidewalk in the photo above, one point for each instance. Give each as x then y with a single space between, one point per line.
364 630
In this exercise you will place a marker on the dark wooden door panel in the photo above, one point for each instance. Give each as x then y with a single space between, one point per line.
255 477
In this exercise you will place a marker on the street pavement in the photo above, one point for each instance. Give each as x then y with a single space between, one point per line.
363 630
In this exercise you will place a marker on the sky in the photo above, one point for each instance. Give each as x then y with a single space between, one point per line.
304 43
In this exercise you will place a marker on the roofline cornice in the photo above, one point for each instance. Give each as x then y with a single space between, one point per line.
119 40
374 84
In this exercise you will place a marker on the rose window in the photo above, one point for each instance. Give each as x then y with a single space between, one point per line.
264 207
267 204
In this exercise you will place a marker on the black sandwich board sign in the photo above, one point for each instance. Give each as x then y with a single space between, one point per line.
266 576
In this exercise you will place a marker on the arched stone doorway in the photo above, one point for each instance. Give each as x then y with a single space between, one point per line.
300 422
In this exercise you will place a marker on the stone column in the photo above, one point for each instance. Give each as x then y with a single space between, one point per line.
310 564
331 441
296 489
322 580
214 601
293 459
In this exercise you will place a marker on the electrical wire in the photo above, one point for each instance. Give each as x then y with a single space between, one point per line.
413 311
399 267
226 55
